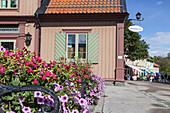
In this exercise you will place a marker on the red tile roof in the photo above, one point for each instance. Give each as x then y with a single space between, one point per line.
155 65
83 6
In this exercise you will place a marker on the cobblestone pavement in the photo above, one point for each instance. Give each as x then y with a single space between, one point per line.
135 97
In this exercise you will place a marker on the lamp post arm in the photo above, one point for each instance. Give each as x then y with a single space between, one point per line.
136 19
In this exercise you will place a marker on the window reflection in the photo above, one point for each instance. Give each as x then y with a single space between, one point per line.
71 45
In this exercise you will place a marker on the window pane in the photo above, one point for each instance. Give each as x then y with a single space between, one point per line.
8 45
71 55
82 46
13 3
71 39
82 55
71 45
4 3
82 38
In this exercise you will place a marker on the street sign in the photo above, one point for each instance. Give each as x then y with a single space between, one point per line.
135 28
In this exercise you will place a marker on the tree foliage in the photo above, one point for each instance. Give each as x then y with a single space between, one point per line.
164 63
134 47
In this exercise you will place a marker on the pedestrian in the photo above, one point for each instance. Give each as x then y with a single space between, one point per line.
165 78
128 77
147 77
162 78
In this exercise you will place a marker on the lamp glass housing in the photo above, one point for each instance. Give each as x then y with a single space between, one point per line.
138 16
28 39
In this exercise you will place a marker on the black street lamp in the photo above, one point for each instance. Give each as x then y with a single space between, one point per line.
138 16
28 39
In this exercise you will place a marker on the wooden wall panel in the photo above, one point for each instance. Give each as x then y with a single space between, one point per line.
107 46
26 8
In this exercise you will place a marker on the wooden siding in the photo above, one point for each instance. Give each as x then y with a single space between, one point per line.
31 30
26 8
107 44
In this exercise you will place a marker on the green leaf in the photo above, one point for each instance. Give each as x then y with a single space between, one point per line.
16 82
17 108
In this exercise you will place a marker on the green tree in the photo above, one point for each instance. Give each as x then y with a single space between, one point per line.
169 55
164 63
134 47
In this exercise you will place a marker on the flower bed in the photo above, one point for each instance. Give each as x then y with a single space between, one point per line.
22 67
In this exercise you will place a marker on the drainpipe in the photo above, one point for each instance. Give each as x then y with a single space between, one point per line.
39 27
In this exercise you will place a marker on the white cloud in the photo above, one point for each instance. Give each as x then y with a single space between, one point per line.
159 44
160 2
159 51
155 15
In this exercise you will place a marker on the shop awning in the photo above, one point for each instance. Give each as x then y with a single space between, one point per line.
151 73
158 73
144 71
133 67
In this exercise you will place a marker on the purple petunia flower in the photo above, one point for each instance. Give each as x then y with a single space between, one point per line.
65 111
83 102
26 109
64 98
75 111
90 84
77 98
95 88
40 100
56 89
2 107
64 106
2 49
68 110
20 100
72 84
37 94
46 100
56 84
51 103
67 83
86 111
49 97
61 87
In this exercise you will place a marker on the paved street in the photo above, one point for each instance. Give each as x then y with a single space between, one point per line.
135 97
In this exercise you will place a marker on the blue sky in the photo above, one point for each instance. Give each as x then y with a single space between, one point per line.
156 24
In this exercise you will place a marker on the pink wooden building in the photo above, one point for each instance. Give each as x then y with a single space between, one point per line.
90 29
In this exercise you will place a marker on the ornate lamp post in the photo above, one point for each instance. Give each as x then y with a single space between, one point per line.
28 39
138 16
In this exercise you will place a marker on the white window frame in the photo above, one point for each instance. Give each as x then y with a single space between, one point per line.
9 41
9 5
76 45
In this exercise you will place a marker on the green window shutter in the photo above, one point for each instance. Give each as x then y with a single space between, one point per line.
60 45
93 45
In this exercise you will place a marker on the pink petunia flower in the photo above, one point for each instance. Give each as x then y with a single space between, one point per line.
35 81
33 60
41 72
26 63
2 69
70 76
79 80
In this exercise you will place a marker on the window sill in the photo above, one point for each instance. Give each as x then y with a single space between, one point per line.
9 9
